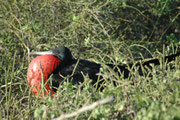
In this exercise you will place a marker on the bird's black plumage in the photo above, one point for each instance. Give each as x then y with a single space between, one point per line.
77 68
74 68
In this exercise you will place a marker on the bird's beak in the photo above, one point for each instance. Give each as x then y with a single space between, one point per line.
41 53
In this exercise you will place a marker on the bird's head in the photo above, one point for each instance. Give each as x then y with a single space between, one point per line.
61 52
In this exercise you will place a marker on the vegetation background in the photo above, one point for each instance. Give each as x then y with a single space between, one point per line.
103 31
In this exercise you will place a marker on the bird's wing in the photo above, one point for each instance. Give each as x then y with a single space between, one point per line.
78 67
76 70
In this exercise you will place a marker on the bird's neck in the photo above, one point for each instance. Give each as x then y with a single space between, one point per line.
65 63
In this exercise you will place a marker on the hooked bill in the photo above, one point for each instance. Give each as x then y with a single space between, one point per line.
45 64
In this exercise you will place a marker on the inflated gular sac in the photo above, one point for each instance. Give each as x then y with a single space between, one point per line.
40 69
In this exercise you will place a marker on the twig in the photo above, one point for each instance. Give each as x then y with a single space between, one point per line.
85 108
10 83
2 86
28 52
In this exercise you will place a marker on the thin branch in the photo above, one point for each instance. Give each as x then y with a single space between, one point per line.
85 108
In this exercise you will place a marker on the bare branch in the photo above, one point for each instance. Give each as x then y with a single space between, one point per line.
85 108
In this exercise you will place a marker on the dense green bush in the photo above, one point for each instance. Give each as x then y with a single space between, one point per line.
99 30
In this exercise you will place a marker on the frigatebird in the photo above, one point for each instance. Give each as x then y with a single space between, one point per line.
60 63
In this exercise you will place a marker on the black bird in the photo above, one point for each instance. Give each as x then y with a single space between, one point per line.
76 68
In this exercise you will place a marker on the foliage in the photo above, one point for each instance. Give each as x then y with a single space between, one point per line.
104 31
